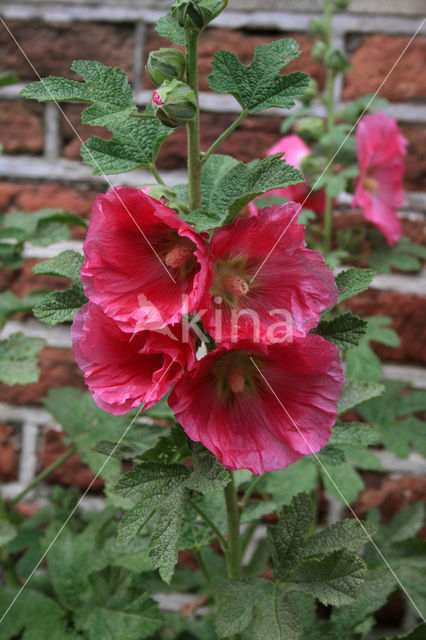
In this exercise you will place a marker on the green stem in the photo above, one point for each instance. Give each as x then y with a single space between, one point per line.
224 135
204 570
156 175
233 551
330 82
248 534
250 489
210 523
193 126
8 569
44 474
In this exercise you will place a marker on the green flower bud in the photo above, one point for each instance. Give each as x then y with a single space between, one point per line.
313 166
165 64
318 51
311 91
175 103
336 60
310 127
341 4
317 28
196 13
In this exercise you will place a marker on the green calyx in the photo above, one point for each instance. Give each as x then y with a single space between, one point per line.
336 60
196 14
165 64
175 103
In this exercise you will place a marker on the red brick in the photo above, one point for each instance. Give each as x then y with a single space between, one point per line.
26 281
73 472
58 369
372 61
242 43
72 143
21 126
408 313
415 160
52 47
9 455
250 140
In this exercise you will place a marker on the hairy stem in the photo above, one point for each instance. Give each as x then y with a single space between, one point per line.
233 552
156 175
330 82
224 135
44 474
193 126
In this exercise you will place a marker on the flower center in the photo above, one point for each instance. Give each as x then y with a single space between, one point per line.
178 255
231 280
236 284
370 184
236 380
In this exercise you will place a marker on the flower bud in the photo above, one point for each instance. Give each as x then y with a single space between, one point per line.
317 28
310 127
311 91
313 166
196 13
336 60
318 50
174 103
341 4
165 64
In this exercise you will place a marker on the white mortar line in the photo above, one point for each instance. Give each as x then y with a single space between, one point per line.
415 376
28 458
58 337
138 56
52 132
16 413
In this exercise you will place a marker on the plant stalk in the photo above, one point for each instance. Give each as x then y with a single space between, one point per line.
44 474
224 135
330 83
193 126
233 552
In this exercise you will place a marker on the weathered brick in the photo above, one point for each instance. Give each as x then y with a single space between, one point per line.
21 126
408 314
58 369
373 59
9 455
52 47
250 140
73 473
415 160
242 43
72 143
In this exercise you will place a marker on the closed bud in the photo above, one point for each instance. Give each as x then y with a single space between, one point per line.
317 28
174 103
165 64
341 4
318 51
336 60
311 91
196 13
310 127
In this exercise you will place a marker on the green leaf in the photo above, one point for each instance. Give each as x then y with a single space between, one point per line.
167 27
237 600
164 543
209 476
40 616
107 88
335 185
418 633
287 538
11 304
60 306
362 363
333 579
350 534
18 359
302 476
42 227
342 481
345 330
203 220
239 183
65 265
402 255
8 77
135 144
353 433
170 447
259 85
355 393
353 281
7 532
116 610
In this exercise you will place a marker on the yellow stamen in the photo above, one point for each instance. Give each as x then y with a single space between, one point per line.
370 184
177 256
236 284
236 380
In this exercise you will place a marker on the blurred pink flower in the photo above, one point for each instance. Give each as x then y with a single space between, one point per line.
379 191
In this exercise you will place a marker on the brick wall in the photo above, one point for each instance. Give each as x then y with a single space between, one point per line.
41 164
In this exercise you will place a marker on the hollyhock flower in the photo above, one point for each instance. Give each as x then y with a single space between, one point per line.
122 371
261 407
295 150
144 266
266 285
380 147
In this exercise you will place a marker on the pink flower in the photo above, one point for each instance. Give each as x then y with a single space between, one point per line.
295 150
380 147
122 371
144 266
266 285
225 402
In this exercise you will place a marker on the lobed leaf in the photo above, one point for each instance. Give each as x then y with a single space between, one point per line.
351 282
60 306
18 359
67 264
345 331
